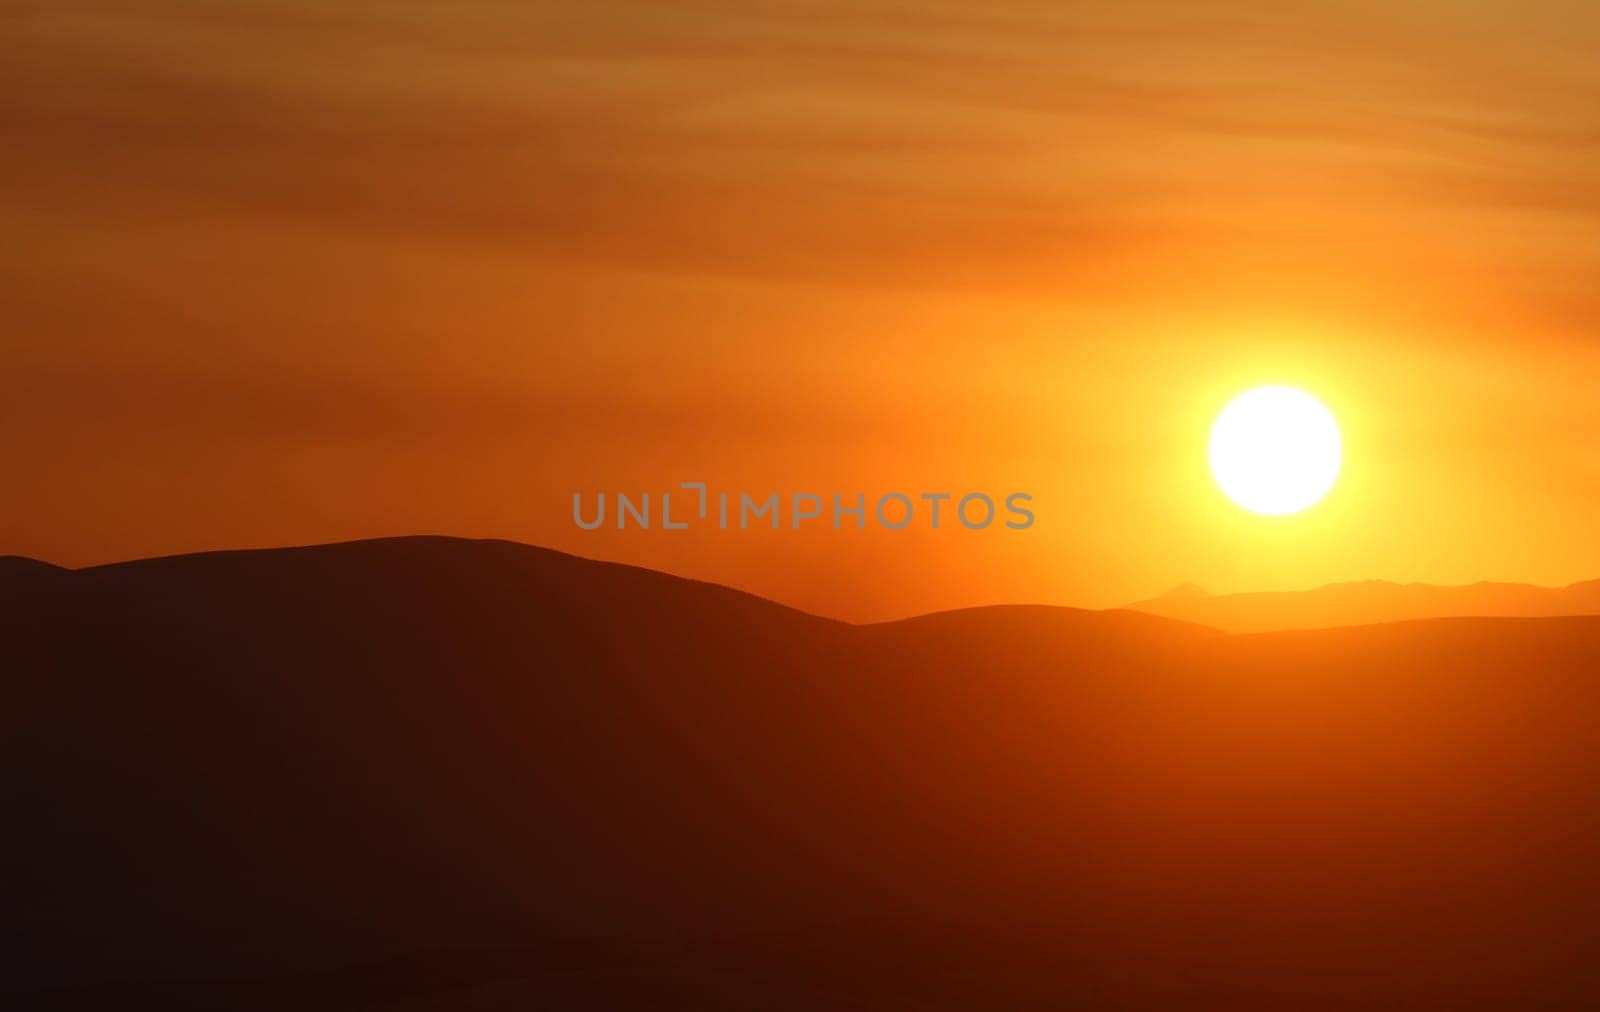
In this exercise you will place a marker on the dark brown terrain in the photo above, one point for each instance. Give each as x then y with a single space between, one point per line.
430 774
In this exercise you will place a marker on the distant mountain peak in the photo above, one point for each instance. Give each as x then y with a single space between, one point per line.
1364 602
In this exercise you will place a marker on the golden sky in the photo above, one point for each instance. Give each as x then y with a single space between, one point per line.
286 271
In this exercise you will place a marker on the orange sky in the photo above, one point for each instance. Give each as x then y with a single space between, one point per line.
285 271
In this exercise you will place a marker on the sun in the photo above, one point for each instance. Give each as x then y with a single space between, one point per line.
1275 450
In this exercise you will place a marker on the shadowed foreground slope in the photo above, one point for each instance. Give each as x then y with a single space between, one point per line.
438 774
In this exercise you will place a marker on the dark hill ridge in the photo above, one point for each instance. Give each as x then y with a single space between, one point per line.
438 774
1367 602
20 575
19 567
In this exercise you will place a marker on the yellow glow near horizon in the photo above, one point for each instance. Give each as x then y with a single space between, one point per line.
1275 450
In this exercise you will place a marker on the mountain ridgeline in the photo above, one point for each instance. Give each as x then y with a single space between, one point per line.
429 773
1368 602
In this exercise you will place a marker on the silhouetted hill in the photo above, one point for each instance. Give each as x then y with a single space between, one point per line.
427 774
22 575
1367 602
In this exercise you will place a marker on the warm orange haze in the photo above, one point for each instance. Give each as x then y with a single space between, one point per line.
284 272
702 506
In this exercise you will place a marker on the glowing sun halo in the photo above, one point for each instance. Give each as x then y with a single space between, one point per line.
1275 450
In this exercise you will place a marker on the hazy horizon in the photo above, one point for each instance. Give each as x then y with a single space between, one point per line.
1187 589
904 357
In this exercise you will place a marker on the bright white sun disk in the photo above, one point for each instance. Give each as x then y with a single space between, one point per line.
1275 450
